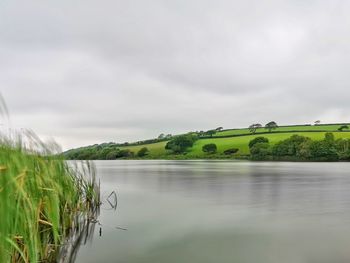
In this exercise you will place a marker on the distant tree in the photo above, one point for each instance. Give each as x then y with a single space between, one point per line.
292 146
201 133
125 153
252 128
343 127
271 126
343 148
260 151
321 151
318 122
219 129
256 140
142 152
209 148
112 155
210 133
329 137
179 144
161 136
231 151
168 136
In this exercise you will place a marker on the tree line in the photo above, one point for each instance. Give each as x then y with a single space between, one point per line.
301 148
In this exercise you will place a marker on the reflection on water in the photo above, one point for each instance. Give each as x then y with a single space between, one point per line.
82 232
221 211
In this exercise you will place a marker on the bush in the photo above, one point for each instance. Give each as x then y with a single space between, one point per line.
292 146
180 144
321 151
209 148
142 152
231 151
259 139
329 137
343 127
124 154
112 155
260 151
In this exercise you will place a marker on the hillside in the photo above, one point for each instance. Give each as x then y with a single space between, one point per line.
224 139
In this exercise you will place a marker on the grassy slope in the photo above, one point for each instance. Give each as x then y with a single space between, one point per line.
241 142
156 149
333 127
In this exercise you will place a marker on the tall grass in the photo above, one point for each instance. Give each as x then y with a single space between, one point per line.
40 198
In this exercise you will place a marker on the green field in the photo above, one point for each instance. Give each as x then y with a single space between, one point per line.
331 127
242 142
224 140
157 150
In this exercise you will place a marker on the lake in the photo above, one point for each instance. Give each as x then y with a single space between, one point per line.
221 211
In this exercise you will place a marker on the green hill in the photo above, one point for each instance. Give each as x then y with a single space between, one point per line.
224 139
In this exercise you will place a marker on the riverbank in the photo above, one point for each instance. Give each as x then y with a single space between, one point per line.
280 147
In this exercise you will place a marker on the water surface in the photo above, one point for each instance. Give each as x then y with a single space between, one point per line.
222 211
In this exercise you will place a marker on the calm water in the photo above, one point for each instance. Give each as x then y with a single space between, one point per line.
219 211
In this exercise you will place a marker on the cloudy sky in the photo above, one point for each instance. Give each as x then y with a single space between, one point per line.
88 71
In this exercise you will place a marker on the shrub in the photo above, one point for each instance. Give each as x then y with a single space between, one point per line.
259 139
291 146
321 151
231 151
260 151
329 137
209 148
343 127
180 144
142 152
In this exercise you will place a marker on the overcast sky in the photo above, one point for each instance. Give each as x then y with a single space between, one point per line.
92 71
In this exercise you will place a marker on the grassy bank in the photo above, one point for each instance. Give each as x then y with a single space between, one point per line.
40 197
224 140
157 150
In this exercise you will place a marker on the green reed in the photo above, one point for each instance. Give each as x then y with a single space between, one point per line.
40 195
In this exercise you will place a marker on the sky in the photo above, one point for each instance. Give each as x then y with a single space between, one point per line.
85 71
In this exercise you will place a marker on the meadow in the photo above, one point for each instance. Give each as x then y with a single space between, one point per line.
223 139
292 128
240 138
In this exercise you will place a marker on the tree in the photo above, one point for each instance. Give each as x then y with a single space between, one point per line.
329 137
201 133
343 148
209 148
161 136
321 151
260 151
142 152
342 145
125 153
256 140
252 128
292 146
343 127
271 126
318 122
210 133
168 136
179 144
231 151
219 129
